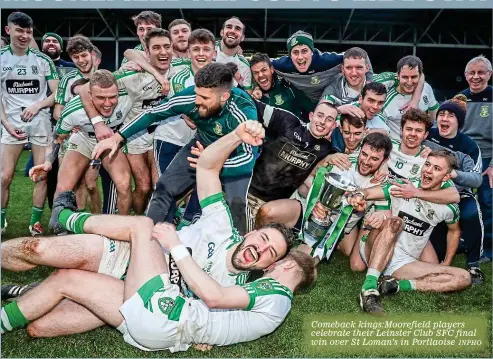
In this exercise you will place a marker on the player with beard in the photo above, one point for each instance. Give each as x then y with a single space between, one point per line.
214 106
401 88
180 30
310 70
213 241
395 247
227 50
26 76
467 176
292 150
275 91
144 22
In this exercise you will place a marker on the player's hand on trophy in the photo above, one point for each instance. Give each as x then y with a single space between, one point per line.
40 172
196 151
340 160
165 233
29 112
319 211
357 200
251 132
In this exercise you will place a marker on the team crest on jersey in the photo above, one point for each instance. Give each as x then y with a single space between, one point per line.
484 112
72 146
119 115
218 129
34 69
166 304
430 214
279 100
264 285
425 99
315 80
415 169
317 147
178 87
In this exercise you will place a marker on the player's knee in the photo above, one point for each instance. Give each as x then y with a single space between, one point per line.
463 278
31 247
6 179
357 265
123 185
266 214
36 330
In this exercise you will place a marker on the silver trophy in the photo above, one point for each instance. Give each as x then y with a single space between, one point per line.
331 196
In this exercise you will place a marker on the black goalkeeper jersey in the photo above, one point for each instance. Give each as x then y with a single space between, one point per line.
288 155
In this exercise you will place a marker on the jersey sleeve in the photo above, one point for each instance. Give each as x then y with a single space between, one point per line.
181 103
452 215
63 95
331 59
129 81
432 102
388 79
49 69
68 118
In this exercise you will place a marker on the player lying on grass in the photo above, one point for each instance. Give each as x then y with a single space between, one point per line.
148 310
214 243
395 248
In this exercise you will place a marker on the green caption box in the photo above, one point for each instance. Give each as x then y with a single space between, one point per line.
422 335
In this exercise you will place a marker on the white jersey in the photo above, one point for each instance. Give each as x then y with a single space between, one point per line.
24 81
270 303
420 217
402 165
246 81
209 239
74 115
394 101
63 94
176 131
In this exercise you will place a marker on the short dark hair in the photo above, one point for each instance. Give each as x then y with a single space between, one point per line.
260 57
236 18
376 87
79 43
156 32
5 40
308 269
202 36
285 231
179 22
214 75
20 19
378 141
411 62
417 115
352 121
449 157
149 17
326 103
97 52
78 82
232 67
356 53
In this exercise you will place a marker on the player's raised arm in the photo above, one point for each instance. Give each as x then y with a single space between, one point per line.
211 292
212 159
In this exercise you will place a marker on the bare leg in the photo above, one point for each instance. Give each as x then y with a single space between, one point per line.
285 211
355 261
347 243
40 188
73 167
381 246
81 195
10 156
429 255
91 180
152 165
142 178
119 171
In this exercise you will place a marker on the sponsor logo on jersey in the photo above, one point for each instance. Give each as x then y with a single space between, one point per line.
210 249
175 276
7 68
264 285
415 169
218 129
484 112
22 87
34 69
166 304
430 214
148 87
425 99
152 103
413 225
292 155
317 147
279 100
119 115
314 80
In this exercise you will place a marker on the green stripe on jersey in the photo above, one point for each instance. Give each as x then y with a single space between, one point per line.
455 210
124 73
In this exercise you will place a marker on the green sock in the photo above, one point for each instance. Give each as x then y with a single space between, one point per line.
36 214
3 215
11 318
407 285
73 221
371 280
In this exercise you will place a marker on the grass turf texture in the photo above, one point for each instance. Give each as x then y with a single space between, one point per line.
335 294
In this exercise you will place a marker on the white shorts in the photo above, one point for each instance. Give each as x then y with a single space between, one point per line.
399 259
81 143
140 144
115 258
38 130
154 316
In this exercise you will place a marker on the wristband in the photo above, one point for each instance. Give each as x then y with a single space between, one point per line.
179 252
96 120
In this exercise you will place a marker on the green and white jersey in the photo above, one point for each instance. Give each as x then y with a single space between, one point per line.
377 122
138 47
63 94
270 303
402 165
208 240
74 115
24 81
246 81
395 100
176 131
420 217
